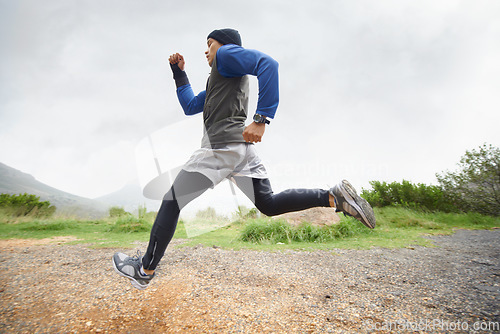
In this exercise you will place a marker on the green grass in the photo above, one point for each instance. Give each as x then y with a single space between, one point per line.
130 224
396 228
279 231
124 231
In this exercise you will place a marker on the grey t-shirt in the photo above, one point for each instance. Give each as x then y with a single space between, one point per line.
225 109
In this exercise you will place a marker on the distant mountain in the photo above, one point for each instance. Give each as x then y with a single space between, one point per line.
13 181
130 198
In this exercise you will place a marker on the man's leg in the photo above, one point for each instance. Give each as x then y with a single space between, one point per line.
342 197
186 187
259 191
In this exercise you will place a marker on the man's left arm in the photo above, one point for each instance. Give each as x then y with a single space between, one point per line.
235 61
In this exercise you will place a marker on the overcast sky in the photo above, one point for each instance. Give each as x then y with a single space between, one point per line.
369 90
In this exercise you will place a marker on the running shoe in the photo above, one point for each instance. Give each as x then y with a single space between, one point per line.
130 267
351 204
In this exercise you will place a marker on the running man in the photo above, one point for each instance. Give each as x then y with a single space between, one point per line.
228 151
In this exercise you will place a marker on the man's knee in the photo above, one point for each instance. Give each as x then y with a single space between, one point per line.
267 208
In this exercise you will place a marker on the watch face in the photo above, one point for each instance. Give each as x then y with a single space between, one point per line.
260 119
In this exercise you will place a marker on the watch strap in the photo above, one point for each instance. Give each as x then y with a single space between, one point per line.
257 118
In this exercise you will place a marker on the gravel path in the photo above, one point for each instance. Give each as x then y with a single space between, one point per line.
65 288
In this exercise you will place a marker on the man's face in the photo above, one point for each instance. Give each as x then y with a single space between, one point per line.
213 46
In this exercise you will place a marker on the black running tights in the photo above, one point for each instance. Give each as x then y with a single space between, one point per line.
189 185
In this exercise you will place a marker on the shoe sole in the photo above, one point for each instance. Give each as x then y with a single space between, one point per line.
360 204
134 283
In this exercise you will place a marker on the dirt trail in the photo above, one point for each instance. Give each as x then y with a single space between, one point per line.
63 288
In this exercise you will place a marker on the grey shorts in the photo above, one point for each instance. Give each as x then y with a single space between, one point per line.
225 161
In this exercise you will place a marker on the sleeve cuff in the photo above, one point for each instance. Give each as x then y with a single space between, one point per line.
180 76
264 113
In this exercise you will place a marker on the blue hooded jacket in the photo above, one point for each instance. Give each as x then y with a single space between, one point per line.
236 61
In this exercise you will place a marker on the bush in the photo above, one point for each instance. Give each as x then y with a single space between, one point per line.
276 231
131 224
475 186
407 194
24 205
244 213
117 211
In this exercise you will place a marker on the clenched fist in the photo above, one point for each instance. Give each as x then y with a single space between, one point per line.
253 132
178 59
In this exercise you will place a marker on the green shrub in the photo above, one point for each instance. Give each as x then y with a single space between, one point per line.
279 231
117 211
25 205
244 213
347 228
256 231
131 224
142 212
409 195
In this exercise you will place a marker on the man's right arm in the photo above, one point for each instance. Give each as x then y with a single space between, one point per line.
190 103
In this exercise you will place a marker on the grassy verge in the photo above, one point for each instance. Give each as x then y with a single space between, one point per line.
396 227
124 231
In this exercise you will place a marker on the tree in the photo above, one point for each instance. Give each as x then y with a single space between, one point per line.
475 186
24 205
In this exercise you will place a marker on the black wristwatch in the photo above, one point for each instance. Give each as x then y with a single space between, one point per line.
260 119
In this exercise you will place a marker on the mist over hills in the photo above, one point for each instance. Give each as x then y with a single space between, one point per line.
130 198
13 181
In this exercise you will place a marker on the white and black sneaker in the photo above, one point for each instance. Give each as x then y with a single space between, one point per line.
350 203
130 267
